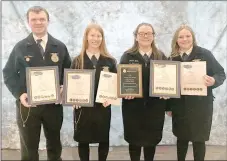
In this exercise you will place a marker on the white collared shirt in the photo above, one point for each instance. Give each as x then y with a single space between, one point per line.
43 42
148 53
187 52
89 54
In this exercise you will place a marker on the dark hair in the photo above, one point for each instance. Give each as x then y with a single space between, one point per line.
37 9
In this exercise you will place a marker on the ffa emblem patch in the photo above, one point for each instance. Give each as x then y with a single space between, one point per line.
27 58
54 57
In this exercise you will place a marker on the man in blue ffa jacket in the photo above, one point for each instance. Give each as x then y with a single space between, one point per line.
38 49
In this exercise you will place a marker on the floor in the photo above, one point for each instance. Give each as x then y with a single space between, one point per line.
121 153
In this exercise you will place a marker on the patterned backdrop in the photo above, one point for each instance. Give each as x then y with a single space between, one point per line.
118 19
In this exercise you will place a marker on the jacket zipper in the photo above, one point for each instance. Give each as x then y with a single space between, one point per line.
145 100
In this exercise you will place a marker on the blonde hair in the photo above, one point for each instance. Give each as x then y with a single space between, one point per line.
103 50
175 47
135 46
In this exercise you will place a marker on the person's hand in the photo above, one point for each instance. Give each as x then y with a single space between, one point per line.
169 113
165 98
129 97
23 100
76 106
208 81
106 103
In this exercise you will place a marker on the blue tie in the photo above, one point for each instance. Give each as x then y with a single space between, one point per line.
40 47
146 58
94 60
184 57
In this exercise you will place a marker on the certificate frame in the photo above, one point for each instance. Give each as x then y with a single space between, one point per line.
193 89
109 80
91 72
55 81
152 93
119 74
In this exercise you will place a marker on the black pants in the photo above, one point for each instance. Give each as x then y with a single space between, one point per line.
103 150
51 117
135 151
199 150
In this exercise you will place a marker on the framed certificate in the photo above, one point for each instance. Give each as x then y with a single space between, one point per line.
129 80
107 88
42 85
79 87
164 78
192 82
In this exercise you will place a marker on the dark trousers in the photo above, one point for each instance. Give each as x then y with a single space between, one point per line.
199 150
135 151
84 151
51 117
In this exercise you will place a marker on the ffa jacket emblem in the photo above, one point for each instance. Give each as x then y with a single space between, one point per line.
27 58
54 57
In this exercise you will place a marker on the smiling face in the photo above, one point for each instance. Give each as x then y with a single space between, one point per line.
185 40
94 38
38 23
145 36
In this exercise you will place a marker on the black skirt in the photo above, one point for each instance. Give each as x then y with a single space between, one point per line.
92 124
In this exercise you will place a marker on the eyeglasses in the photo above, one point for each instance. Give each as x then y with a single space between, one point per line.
148 34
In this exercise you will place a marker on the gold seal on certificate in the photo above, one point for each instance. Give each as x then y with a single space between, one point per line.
107 88
129 80
164 78
79 87
192 82
42 85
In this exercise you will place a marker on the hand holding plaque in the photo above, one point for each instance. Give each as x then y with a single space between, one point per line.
24 100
